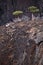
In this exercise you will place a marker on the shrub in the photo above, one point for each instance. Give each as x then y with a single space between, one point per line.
33 9
17 13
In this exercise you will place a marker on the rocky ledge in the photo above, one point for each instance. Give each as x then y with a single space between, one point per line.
21 43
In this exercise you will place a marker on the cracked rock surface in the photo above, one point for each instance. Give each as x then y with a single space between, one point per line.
21 43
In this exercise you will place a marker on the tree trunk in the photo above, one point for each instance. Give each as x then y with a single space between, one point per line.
33 17
9 9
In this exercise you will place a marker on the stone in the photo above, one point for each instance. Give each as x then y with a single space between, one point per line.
21 43
39 37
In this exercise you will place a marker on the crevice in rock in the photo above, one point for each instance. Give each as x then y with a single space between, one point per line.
39 43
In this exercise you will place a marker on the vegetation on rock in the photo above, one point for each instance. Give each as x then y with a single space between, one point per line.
17 13
33 10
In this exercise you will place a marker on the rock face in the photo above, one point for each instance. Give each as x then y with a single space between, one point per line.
21 43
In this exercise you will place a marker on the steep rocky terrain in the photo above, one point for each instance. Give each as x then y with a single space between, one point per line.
21 43
21 40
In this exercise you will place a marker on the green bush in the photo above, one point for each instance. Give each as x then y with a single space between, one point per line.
33 9
17 13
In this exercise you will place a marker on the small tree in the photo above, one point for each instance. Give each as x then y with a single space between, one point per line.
17 13
33 10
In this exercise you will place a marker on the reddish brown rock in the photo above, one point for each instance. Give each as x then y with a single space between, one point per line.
16 45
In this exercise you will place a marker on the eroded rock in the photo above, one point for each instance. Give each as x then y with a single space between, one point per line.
21 43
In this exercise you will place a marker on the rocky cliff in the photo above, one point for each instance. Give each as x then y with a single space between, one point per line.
21 43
